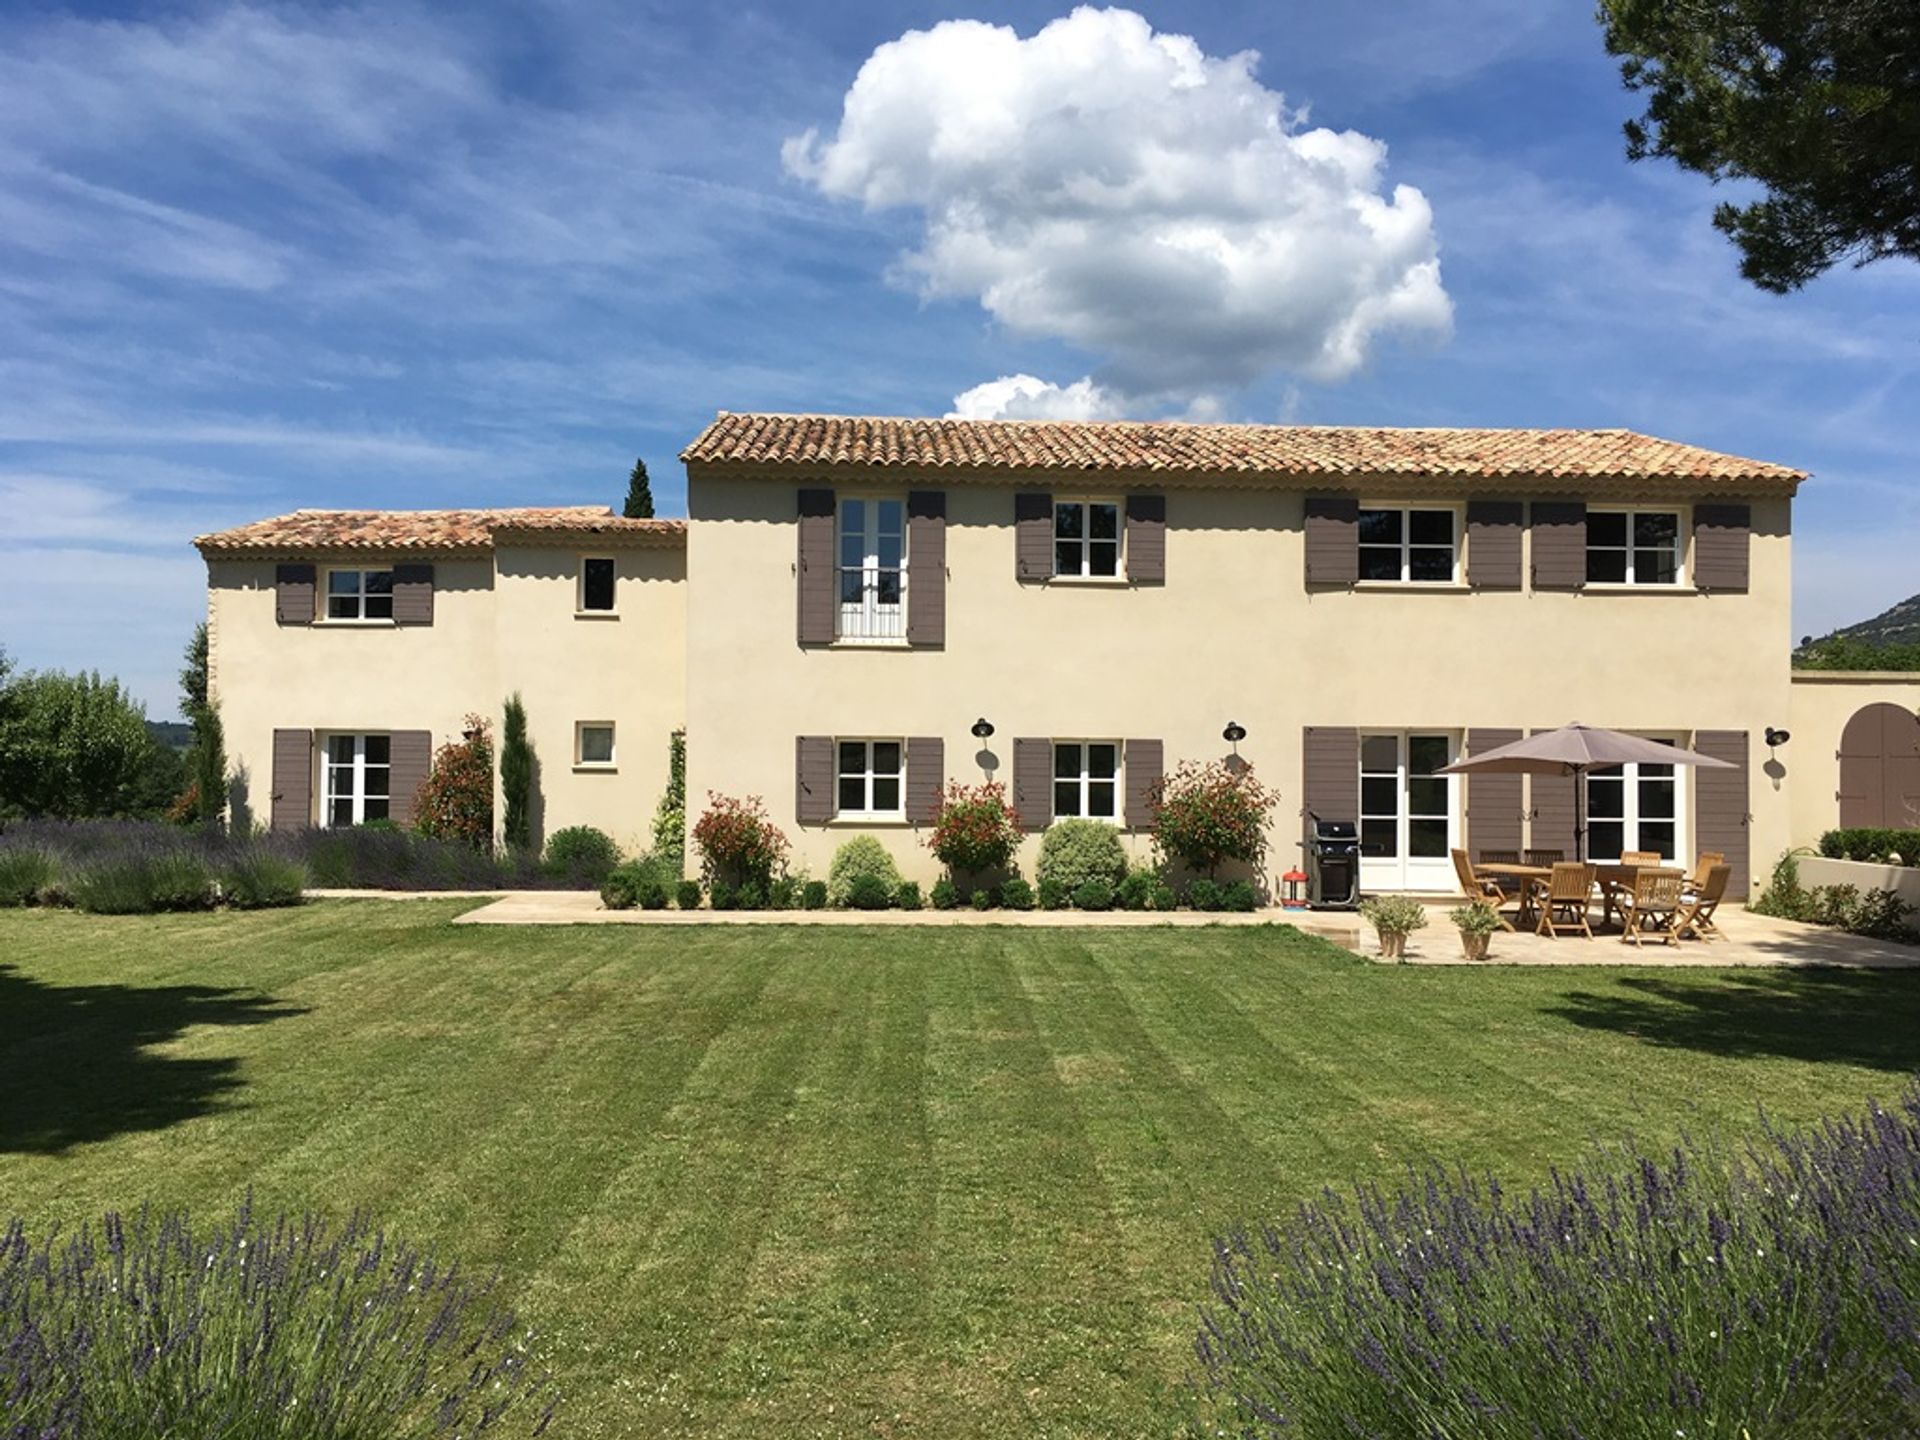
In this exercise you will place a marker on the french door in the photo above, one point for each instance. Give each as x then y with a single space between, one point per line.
873 569
1409 813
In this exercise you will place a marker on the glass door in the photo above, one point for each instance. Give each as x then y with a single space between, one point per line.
1408 811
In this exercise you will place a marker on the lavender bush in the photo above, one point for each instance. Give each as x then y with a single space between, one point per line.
297 1331
1773 1293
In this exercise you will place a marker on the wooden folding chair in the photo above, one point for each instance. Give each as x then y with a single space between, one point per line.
1640 857
1567 900
1499 857
1546 857
1479 888
1650 909
1614 892
1696 911
1702 868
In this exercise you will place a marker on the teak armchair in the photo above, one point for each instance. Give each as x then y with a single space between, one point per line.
1652 907
1567 899
1479 887
1695 916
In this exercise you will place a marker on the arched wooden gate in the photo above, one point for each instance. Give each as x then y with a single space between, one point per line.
1880 768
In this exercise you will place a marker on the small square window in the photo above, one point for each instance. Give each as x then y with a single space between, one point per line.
1407 546
1086 539
869 779
596 583
359 594
594 744
1086 779
1633 547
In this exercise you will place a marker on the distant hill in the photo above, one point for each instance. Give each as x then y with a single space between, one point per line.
174 734
1889 641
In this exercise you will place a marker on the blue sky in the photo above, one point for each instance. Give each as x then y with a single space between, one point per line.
258 258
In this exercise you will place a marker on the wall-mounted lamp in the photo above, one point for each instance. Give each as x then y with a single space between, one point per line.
1776 736
982 729
1234 733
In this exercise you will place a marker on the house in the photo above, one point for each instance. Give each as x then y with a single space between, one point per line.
857 611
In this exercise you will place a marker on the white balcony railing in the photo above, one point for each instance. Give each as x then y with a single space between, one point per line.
873 603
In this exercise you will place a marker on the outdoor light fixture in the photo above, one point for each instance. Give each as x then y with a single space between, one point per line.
1776 737
982 728
1234 733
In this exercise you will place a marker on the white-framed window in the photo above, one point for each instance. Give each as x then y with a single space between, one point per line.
1635 807
593 744
1634 547
1410 545
597 574
355 782
1086 779
359 594
1086 539
869 779
873 567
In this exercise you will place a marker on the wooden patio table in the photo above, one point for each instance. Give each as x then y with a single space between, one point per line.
1529 876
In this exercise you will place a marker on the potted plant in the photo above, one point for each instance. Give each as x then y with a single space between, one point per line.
1476 920
1393 917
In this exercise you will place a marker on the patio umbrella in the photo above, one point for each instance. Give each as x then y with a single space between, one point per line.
1574 750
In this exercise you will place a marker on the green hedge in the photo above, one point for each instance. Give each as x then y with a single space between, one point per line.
1872 845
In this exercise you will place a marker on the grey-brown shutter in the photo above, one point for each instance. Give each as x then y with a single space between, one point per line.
1333 540
1145 763
413 594
1496 806
815 567
1559 544
293 594
1720 817
926 778
410 753
1493 544
813 779
927 567
1147 539
1330 773
291 806
1552 814
1032 536
1721 540
1033 783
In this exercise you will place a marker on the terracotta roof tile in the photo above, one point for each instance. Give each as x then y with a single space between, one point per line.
802 443
427 531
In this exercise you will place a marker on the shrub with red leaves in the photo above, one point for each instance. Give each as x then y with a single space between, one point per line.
738 842
1206 813
976 829
456 799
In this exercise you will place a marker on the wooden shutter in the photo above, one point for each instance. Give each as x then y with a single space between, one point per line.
1496 807
411 755
1330 773
1147 539
413 594
1493 544
292 801
1145 763
1720 817
926 778
1033 783
1552 814
927 567
1032 536
293 587
1879 759
1721 540
1333 540
815 567
1559 545
813 779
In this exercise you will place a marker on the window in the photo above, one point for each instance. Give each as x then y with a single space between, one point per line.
596 583
873 576
593 744
1633 547
1406 804
868 778
355 787
1086 779
1408 546
1086 539
1633 807
359 594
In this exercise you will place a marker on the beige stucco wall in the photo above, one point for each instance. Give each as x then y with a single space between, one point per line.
501 623
1823 702
1234 634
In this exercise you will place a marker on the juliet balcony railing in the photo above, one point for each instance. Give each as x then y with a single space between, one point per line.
873 603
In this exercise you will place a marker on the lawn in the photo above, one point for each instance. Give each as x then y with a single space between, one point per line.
809 1182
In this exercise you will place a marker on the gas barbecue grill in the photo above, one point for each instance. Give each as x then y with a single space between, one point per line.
1333 864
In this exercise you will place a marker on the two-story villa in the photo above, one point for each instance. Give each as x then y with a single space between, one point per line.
858 610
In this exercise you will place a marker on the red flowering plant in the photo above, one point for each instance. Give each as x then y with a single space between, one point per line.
976 828
738 842
1204 814
456 799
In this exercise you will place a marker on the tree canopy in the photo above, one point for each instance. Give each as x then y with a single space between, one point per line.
76 747
1816 100
639 504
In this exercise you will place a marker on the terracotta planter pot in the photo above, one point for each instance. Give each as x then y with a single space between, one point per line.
1475 946
1393 945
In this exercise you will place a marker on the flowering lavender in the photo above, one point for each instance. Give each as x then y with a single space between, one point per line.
298 1331
1774 1293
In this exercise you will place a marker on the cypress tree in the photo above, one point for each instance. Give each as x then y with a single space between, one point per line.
639 493
516 777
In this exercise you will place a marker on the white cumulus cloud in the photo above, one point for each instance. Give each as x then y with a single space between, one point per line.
1028 397
1121 190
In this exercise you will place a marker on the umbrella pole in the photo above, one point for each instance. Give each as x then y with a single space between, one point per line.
1579 812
